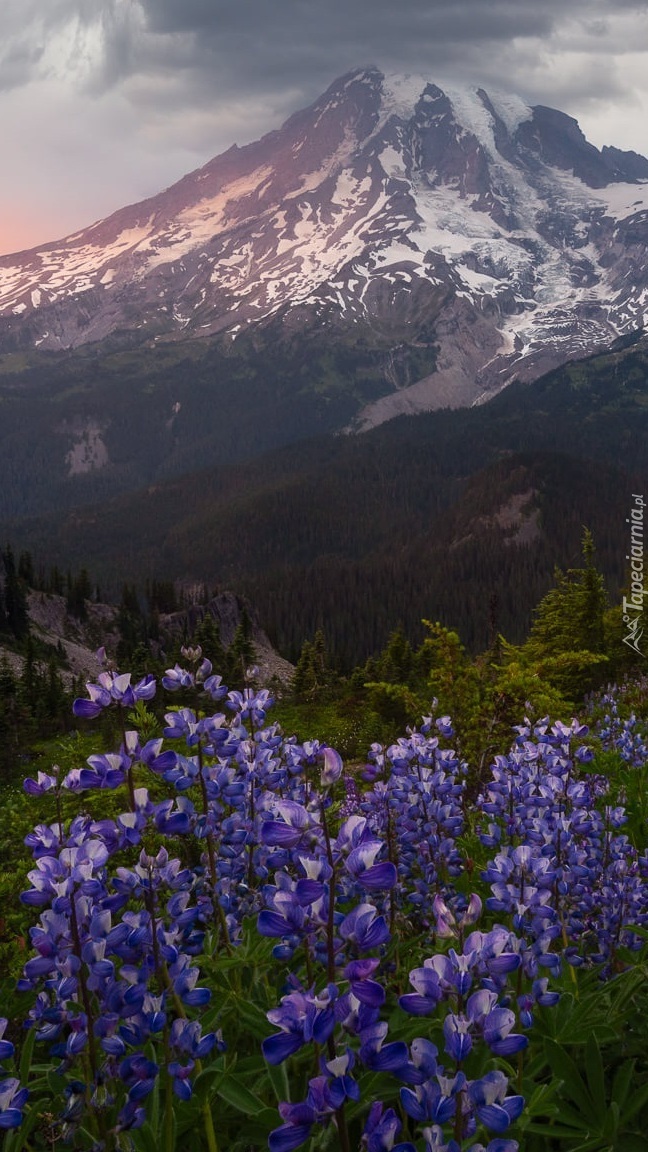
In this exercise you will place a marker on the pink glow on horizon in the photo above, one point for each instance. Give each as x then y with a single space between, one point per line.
21 228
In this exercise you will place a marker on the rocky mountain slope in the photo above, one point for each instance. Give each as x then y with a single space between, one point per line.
77 640
489 234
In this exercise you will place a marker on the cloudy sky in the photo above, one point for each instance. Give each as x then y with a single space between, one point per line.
104 102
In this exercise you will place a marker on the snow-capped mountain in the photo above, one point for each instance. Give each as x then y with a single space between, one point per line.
467 221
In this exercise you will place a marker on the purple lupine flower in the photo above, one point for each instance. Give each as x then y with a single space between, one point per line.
446 923
139 1075
113 688
43 783
341 1085
215 688
290 920
299 1120
428 991
302 1017
493 1108
381 1129
6 1047
457 1036
430 1102
366 990
180 1074
360 863
435 1141
293 826
444 724
377 1055
332 769
364 928
250 705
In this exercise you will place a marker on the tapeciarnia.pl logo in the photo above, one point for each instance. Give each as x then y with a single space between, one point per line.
633 605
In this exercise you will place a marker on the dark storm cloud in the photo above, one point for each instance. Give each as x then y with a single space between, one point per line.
115 99
286 52
266 41
281 46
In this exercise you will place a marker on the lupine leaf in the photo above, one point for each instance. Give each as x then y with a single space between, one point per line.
278 1077
20 1136
637 1101
573 1116
233 1092
633 1143
254 1018
26 1056
206 1081
596 1079
550 1131
622 1082
55 1083
256 1131
146 1140
564 1067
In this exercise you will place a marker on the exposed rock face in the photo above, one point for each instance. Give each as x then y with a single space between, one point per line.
227 609
390 205
51 622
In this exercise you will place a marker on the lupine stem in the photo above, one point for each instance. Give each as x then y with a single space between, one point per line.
211 855
87 1007
165 982
129 770
340 1115
391 856
250 872
149 899
309 965
330 924
208 1121
458 1119
250 875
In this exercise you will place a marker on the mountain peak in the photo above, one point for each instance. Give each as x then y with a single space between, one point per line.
395 210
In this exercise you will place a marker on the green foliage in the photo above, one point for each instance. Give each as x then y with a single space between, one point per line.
79 589
485 696
240 654
567 640
590 1058
207 636
346 721
313 672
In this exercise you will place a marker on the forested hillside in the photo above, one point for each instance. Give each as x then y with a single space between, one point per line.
437 515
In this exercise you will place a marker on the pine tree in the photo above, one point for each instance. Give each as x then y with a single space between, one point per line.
56 583
305 681
9 733
567 638
26 568
15 597
207 635
132 629
241 653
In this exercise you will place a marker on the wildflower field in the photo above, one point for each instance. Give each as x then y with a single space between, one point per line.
238 941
